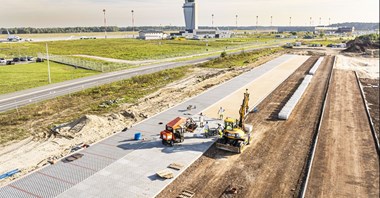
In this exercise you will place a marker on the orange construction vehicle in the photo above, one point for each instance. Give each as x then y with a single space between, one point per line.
175 130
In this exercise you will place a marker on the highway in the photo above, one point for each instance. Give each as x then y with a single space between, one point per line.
31 96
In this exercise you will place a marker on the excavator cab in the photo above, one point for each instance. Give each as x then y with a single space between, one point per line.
175 130
229 124
232 130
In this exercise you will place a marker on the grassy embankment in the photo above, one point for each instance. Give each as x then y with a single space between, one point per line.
325 41
24 76
70 107
243 59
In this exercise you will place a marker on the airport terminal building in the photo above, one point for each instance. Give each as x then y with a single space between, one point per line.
191 23
152 35
191 27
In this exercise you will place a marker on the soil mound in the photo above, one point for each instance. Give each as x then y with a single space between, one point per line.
362 44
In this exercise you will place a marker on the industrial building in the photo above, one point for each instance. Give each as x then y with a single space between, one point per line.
203 34
345 30
296 29
317 29
152 35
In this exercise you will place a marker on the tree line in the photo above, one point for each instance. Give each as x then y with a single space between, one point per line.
358 26
30 30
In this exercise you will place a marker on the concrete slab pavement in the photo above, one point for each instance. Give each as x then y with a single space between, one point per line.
119 167
258 88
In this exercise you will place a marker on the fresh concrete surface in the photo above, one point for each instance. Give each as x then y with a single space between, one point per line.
258 88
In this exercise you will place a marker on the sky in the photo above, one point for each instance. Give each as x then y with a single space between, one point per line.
72 13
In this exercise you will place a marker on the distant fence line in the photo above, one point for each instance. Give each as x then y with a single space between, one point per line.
84 64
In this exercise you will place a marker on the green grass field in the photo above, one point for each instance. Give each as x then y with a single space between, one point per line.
239 60
24 76
127 49
89 101
326 41
20 77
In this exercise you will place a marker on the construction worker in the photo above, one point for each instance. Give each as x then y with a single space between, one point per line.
221 113
220 130
206 129
201 120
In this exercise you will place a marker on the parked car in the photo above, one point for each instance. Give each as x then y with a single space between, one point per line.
3 61
39 60
16 59
9 62
23 59
30 58
87 37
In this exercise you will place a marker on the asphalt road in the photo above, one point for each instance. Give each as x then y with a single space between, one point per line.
30 96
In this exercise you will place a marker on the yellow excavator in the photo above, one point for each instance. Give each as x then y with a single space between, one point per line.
236 134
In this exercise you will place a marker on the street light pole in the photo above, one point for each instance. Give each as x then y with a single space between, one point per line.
212 20
133 23
290 21
105 24
257 23
271 21
311 19
236 22
47 57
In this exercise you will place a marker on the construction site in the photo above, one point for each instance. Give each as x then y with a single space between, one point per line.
288 125
226 110
346 162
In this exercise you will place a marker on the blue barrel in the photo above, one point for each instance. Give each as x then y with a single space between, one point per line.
138 136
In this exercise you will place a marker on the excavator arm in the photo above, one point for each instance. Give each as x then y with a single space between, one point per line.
244 109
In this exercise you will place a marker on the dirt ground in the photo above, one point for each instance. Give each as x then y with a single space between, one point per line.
368 71
35 152
366 67
272 166
346 163
372 91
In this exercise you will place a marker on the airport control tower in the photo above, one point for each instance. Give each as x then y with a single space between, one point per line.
191 18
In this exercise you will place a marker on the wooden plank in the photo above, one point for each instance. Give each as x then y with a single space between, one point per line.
166 174
186 194
176 166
